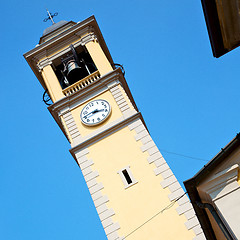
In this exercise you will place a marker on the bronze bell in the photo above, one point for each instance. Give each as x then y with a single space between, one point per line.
74 71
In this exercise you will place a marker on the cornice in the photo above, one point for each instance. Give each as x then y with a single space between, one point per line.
104 131
65 48
90 37
73 35
84 92
220 184
45 62
101 85
65 104
61 37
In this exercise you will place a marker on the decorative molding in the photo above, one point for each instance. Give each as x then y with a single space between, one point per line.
90 37
200 236
85 94
220 184
100 200
48 56
58 50
120 99
62 47
82 26
72 128
104 131
45 62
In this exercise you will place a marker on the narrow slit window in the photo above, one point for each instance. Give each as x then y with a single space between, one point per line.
127 177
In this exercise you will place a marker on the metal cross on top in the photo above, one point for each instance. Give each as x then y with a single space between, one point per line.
50 16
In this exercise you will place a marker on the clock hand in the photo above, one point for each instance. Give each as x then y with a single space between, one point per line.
93 112
89 114
97 110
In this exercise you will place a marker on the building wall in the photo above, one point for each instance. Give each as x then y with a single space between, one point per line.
130 145
122 141
222 189
137 204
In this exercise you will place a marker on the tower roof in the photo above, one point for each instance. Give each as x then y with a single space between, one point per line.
58 38
54 27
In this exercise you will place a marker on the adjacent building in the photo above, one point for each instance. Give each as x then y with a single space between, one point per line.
215 194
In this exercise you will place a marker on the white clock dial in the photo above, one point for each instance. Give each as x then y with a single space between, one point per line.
95 112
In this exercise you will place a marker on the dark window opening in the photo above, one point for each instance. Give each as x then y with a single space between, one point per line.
126 175
72 72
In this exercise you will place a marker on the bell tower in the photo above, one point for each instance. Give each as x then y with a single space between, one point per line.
136 195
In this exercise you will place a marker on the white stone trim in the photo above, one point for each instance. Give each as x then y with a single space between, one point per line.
119 98
190 214
82 159
86 164
106 214
169 180
167 174
147 146
184 208
86 171
126 184
100 200
113 236
155 157
90 37
183 200
191 223
45 62
101 208
152 150
200 237
107 222
112 228
92 183
105 130
197 230
174 187
175 195
161 169
71 126
96 195
141 135
159 162
91 176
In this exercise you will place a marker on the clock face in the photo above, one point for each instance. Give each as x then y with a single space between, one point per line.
95 112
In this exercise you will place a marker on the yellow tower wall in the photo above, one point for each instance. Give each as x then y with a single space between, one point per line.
99 57
121 141
125 142
140 202
115 112
52 83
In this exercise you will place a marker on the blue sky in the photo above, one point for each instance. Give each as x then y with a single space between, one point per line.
189 100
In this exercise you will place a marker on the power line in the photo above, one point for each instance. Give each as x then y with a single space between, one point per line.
182 155
166 208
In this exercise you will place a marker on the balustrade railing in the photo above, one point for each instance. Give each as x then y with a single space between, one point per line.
81 83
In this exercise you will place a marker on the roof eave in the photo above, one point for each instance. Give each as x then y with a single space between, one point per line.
42 47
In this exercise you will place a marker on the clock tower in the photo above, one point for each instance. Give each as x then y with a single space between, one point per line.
136 195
